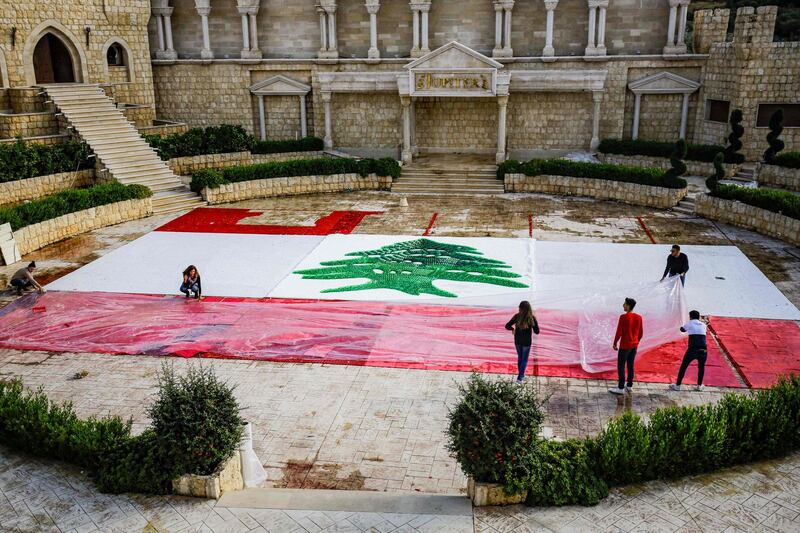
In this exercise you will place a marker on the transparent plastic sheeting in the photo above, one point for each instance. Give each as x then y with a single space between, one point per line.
576 331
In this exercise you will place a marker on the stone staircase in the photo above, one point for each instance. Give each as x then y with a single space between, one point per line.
120 151
746 175
448 179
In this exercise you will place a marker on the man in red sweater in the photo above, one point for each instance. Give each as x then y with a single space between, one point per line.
626 340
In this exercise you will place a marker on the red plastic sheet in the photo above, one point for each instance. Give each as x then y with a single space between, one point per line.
332 332
225 220
762 350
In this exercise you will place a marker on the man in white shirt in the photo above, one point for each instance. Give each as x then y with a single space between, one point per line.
697 349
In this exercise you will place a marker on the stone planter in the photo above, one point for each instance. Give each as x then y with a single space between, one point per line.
486 494
781 177
40 186
228 477
630 193
185 166
747 216
693 168
245 190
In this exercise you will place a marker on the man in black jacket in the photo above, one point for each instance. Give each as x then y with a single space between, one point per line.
677 264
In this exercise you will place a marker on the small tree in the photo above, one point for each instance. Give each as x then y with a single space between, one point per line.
719 172
493 431
775 129
678 168
732 154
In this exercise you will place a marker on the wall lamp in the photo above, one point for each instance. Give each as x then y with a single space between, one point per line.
13 36
87 30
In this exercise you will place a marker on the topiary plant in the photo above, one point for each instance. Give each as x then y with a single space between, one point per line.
732 154
493 431
719 172
678 168
773 137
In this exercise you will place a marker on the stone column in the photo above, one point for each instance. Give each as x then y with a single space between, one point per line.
597 96
681 40
163 16
502 27
333 42
597 28
407 155
498 29
254 50
323 31
502 111
684 114
424 48
507 50
160 29
204 9
168 31
676 30
673 17
415 22
413 112
550 6
637 107
327 23
262 118
303 118
326 101
373 6
245 32
249 10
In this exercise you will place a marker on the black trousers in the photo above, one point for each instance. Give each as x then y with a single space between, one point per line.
625 359
690 356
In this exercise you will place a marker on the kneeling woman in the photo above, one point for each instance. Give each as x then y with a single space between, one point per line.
191 283
523 324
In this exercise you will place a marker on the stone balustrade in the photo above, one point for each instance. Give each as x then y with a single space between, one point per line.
185 166
630 193
750 217
246 190
12 192
35 236
693 168
781 177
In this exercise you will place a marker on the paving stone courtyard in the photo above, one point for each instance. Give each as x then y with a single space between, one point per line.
381 429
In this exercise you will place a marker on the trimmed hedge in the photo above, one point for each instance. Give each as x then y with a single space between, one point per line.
787 159
306 144
601 171
70 201
224 139
21 160
694 152
196 426
298 167
674 442
774 200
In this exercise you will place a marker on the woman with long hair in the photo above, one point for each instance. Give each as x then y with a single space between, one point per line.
191 286
524 325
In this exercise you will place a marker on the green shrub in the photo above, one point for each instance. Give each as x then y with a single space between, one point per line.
622 450
678 167
298 167
787 159
306 144
602 171
196 420
200 141
773 200
564 473
22 160
136 465
719 172
29 421
773 137
493 429
732 154
694 152
70 201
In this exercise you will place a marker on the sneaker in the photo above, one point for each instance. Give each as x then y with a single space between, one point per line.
19 291
617 391
628 389
674 386
700 388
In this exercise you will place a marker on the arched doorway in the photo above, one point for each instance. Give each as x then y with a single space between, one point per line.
52 61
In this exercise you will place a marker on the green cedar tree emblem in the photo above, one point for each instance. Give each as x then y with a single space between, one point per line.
412 267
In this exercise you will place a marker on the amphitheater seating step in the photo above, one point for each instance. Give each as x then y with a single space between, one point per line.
123 154
450 180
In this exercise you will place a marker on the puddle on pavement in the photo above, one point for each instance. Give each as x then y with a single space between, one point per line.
308 475
50 275
75 249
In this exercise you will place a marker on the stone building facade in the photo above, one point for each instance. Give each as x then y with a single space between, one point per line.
399 77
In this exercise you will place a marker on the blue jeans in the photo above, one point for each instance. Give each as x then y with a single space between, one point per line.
20 283
185 288
522 360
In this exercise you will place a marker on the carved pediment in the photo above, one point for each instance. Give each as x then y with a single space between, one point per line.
454 55
663 83
279 86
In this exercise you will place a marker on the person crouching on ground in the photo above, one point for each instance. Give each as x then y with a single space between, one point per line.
626 340
191 286
23 278
677 264
697 349
523 324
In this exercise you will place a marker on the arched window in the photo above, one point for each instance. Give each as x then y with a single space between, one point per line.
115 56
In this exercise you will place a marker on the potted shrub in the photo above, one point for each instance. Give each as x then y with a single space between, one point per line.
493 435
